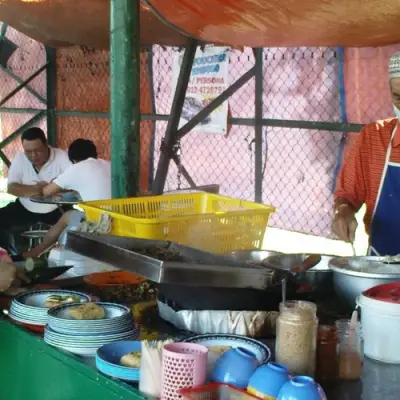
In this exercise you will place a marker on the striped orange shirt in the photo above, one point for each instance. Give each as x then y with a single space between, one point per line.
361 173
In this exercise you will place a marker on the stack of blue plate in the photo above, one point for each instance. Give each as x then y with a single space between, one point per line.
108 360
84 337
29 307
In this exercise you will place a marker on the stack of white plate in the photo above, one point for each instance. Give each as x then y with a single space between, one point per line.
29 308
84 337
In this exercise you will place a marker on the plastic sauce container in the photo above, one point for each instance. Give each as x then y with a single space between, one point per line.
351 350
327 369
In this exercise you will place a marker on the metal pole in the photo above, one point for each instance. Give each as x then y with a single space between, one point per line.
258 128
27 87
343 114
51 90
125 97
3 31
215 103
10 138
23 84
184 171
175 116
153 111
4 158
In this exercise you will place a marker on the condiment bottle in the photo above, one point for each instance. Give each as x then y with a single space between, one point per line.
351 350
296 337
327 354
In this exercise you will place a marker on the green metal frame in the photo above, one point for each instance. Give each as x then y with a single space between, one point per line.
153 111
37 114
51 91
258 128
125 96
272 122
125 107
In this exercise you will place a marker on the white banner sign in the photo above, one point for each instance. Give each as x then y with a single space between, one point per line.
209 78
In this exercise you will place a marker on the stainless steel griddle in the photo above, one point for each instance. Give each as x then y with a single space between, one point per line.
196 268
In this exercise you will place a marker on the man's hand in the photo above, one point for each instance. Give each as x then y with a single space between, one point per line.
39 186
345 223
51 189
20 190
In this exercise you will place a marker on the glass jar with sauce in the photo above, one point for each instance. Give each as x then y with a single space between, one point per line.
296 337
351 350
327 369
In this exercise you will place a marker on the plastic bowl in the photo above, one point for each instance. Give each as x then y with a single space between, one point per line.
108 360
113 352
235 367
267 380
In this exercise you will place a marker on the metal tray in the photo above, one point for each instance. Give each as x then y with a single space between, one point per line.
198 268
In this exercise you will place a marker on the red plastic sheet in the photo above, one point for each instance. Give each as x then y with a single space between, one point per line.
76 22
256 23
285 23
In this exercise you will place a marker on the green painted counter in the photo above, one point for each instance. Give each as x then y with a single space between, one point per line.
31 369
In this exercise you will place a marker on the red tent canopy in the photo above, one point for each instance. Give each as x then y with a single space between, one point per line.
256 23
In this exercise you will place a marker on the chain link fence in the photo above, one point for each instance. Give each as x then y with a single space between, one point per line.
304 86
299 165
83 98
20 57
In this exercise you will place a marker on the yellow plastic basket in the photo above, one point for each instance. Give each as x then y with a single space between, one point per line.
206 221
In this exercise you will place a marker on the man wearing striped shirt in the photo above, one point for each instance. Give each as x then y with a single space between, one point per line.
371 175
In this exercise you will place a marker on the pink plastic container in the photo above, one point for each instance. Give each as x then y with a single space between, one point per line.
184 366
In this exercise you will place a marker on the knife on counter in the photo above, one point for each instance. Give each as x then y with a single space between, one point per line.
44 275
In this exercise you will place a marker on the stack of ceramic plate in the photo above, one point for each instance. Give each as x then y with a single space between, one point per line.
108 360
84 337
29 310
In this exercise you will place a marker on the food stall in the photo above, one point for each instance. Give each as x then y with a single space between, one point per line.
175 268
49 372
34 369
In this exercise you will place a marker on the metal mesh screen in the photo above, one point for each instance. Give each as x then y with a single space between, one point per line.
83 98
20 57
299 165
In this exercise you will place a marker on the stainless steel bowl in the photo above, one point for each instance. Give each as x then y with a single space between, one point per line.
350 278
253 255
319 277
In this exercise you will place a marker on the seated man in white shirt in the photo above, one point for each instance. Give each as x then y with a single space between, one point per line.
88 176
30 171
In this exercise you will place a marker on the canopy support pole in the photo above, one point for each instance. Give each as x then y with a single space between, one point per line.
171 133
125 97
51 89
258 128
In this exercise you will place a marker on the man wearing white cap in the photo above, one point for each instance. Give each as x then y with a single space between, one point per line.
371 175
